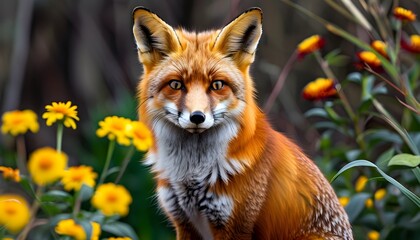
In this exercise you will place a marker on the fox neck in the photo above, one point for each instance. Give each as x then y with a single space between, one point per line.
210 156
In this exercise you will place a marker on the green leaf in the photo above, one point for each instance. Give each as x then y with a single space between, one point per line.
25 182
334 58
383 135
416 172
316 112
379 89
367 85
332 114
353 154
393 123
87 227
112 171
120 229
54 220
383 159
364 163
86 192
355 77
356 205
405 159
56 196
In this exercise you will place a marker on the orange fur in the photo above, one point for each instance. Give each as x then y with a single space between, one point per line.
274 190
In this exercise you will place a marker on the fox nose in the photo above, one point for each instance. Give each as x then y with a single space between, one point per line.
197 117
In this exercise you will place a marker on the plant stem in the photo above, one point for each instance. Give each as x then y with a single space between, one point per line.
280 82
107 162
33 211
124 164
21 154
60 127
328 72
347 107
77 203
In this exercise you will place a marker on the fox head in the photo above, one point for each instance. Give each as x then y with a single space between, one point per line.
196 81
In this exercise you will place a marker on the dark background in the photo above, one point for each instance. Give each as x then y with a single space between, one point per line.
84 51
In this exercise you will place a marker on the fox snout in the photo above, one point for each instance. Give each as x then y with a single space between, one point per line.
197 117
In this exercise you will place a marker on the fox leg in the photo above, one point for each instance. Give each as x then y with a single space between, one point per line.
185 231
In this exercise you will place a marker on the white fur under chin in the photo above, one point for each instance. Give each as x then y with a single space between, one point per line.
182 156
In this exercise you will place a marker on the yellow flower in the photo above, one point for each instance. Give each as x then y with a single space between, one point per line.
119 238
112 199
62 112
46 165
369 203
7 238
380 194
19 122
75 177
70 228
115 128
413 45
10 173
380 47
319 89
14 212
310 45
404 14
361 183
369 58
142 137
344 201
373 235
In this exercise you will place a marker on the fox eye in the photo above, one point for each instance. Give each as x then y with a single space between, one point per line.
217 85
175 84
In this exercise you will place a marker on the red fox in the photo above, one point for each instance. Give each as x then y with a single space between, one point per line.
222 172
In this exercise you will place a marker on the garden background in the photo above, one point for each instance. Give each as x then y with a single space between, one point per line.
84 52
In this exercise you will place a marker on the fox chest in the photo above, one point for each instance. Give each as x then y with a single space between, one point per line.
195 202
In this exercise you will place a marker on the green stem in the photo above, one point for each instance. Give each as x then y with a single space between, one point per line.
124 164
77 203
34 209
347 107
397 43
60 127
107 162
329 73
21 155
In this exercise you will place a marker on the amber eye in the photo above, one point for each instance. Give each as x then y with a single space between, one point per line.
217 85
175 84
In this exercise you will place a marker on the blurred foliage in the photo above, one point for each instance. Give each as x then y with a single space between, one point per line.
84 51
378 133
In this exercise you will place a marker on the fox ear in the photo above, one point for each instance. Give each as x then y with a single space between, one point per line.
154 37
239 39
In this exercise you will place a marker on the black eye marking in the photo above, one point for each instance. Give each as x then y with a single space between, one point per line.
217 85
176 84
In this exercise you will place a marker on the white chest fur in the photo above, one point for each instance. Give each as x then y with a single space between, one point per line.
192 163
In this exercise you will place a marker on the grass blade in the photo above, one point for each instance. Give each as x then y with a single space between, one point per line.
364 163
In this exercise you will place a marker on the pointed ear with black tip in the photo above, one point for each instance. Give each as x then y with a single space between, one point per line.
154 37
239 39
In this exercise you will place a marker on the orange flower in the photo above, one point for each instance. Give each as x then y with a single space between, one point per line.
19 122
10 173
344 201
14 212
370 59
380 47
404 14
319 89
413 45
373 235
310 45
